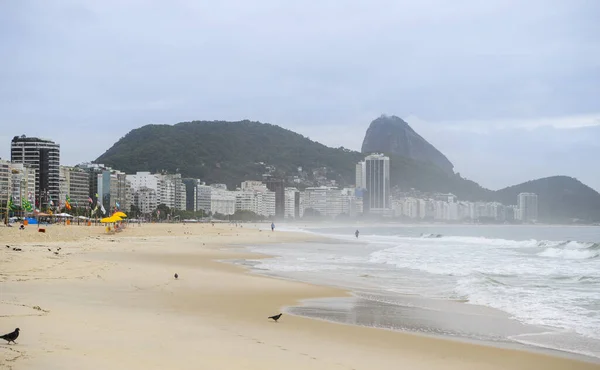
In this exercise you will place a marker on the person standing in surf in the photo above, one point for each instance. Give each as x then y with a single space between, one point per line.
356 233
272 226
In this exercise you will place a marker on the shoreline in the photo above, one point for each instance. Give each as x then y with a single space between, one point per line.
312 303
102 284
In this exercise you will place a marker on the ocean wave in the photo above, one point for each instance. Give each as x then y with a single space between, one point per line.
571 254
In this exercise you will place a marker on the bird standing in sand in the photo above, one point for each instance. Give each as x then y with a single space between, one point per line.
10 337
176 276
276 317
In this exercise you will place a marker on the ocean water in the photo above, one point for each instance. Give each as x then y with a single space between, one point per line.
535 285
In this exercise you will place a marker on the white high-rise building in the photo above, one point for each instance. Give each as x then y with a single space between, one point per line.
23 181
328 201
377 168
171 191
361 175
528 207
75 183
290 202
145 199
215 199
257 198
5 183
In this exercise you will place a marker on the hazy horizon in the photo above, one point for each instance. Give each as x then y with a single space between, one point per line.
507 90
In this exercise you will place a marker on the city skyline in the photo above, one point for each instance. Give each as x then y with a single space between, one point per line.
504 104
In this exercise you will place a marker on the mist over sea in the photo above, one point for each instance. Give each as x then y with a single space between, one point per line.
533 285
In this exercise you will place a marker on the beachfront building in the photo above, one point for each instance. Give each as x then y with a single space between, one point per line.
329 201
292 203
361 175
22 182
528 207
171 190
5 183
254 196
377 183
191 194
215 199
75 183
44 156
114 190
145 199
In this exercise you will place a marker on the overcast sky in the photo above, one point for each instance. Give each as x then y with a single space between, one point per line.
508 90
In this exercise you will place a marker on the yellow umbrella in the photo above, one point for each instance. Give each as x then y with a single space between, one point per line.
120 214
115 218
106 220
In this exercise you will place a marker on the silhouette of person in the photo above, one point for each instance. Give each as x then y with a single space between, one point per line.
356 233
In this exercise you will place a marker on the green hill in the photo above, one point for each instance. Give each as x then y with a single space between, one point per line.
560 199
231 152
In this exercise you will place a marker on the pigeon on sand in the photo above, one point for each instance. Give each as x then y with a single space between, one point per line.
10 337
276 317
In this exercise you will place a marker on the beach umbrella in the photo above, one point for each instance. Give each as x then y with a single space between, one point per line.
106 220
120 214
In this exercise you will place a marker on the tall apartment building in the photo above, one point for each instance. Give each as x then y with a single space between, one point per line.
191 194
44 156
145 191
361 175
114 190
528 207
74 182
328 201
215 199
277 186
145 199
23 180
5 183
171 191
377 168
292 203
256 197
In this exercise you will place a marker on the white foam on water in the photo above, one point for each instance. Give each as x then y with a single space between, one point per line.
548 283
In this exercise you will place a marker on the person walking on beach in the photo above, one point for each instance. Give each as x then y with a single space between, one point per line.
272 226
356 233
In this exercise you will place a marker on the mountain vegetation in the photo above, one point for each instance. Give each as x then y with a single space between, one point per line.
232 152
560 199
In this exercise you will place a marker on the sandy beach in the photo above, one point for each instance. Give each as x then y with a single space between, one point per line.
111 302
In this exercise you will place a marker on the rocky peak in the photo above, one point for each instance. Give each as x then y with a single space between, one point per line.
391 134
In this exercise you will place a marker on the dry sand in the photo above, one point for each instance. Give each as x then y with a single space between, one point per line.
111 302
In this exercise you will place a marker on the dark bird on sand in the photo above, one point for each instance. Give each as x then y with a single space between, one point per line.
7 246
276 317
17 249
176 276
10 337
56 253
49 250
59 248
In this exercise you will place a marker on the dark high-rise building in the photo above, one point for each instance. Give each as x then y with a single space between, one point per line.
191 186
44 156
377 177
277 186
